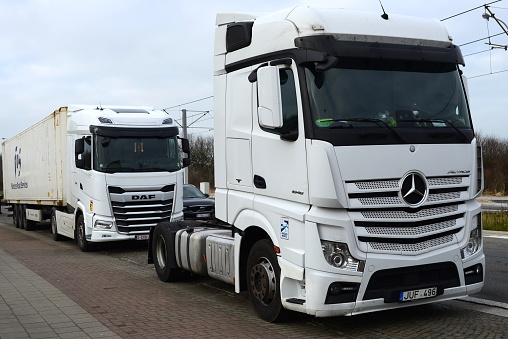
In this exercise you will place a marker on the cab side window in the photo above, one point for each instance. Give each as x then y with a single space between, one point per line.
289 105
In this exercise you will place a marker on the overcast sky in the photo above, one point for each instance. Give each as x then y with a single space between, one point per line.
159 53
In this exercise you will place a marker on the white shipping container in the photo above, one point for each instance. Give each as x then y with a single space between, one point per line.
34 163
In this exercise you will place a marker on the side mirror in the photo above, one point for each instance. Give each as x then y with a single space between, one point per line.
186 150
79 149
269 96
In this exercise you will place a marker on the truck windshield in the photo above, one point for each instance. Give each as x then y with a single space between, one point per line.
372 101
136 154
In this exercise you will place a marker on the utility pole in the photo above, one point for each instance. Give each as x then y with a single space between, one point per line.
501 24
184 135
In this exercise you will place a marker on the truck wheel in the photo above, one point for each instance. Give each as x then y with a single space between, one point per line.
163 247
263 281
83 244
15 216
54 233
29 224
22 216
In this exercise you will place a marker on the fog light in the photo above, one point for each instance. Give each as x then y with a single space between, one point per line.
335 289
473 274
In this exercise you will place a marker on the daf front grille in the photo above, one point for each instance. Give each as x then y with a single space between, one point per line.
137 209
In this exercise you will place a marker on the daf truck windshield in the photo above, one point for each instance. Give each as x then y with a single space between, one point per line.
142 154
375 101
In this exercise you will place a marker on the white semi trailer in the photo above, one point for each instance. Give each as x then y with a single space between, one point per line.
346 166
98 173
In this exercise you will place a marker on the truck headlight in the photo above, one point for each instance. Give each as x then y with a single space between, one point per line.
103 224
337 255
475 238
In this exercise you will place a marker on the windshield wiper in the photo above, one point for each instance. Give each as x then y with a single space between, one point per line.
153 169
446 122
376 121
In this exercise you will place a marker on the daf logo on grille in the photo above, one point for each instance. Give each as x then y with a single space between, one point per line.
414 189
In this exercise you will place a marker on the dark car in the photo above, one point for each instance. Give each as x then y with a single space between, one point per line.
196 204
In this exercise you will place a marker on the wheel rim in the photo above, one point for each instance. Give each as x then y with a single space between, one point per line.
160 251
263 281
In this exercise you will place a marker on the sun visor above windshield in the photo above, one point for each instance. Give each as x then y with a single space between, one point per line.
378 50
134 132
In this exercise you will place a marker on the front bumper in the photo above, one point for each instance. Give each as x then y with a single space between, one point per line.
405 276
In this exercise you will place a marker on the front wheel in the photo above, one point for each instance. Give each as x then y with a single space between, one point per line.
263 281
83 244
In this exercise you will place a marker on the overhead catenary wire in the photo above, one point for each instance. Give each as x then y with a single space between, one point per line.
187 103
470 10
491 73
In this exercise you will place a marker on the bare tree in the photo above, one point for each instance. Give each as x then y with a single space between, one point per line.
495 164
201 168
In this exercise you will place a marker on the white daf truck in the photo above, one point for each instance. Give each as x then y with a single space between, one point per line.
346 166
98 173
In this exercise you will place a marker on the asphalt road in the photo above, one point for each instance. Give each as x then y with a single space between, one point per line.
496 272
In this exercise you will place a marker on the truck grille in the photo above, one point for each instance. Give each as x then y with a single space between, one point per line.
384 223
137 209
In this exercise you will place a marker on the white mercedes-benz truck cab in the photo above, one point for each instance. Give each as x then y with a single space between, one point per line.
346 164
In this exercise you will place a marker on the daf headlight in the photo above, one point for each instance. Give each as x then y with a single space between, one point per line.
475 238
337 255
103 225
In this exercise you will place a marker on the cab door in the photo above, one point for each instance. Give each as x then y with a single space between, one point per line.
279 165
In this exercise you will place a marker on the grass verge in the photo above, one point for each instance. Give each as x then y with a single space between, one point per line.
495 221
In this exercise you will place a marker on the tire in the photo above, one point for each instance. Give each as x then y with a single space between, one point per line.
15 216
263 282
22 216
163 251
29 224
83 244
54 229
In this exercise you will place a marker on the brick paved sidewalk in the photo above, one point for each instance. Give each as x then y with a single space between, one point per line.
30 307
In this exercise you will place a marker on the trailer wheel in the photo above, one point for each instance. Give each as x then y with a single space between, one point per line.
164 252
29 225
15 216
22 216
54 231
83 244
263 281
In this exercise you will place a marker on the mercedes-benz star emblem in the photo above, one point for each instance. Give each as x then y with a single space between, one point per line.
414 189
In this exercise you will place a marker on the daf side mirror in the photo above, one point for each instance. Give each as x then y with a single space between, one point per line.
269 97
79 149
186 150
82 153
